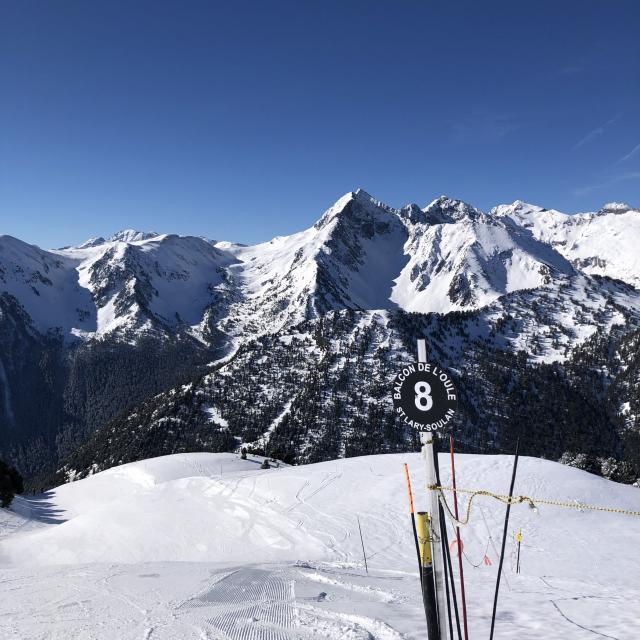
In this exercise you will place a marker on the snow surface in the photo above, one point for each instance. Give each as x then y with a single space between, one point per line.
215 416
210 546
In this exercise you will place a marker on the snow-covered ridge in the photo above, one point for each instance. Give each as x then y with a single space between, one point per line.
131 235
603 242
361 254
141 284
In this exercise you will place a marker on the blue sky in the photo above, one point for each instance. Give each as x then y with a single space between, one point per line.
245 120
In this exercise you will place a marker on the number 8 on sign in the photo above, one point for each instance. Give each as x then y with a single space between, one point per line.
424 396
424 401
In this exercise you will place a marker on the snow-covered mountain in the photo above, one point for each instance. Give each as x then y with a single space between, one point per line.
603 243
99 327
361 254
463 259
160 282
134 282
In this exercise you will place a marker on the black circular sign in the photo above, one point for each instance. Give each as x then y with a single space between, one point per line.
424 396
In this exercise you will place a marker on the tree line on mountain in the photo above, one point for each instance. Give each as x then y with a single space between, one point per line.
322 391
54 395
11 483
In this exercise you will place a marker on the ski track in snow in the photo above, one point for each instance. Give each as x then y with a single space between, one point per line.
259 603
256 605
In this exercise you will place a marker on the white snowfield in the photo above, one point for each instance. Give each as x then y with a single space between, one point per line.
209 546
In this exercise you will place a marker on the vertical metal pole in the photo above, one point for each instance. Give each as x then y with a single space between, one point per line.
446 560
422 350
458 541
448 575
438 568
504 540
362 543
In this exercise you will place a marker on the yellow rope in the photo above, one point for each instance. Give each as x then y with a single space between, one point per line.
532 502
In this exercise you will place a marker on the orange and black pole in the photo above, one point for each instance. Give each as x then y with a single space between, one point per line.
413 517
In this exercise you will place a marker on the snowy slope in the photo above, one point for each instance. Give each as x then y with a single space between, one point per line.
463 259
46 284
603 243
277 554
348 259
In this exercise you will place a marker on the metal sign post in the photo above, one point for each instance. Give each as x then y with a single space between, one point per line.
425 399
436 541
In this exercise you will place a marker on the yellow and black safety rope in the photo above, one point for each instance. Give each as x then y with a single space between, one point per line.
532 502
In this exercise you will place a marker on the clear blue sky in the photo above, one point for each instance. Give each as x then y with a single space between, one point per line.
242 121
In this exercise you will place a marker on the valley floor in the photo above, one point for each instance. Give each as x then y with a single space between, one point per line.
208 546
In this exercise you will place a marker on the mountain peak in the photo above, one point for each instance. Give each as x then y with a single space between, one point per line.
362 201
615 207
521 204
448 210
517 207
361 193
131 235
91 242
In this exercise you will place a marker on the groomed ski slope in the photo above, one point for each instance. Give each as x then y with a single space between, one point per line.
209 546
